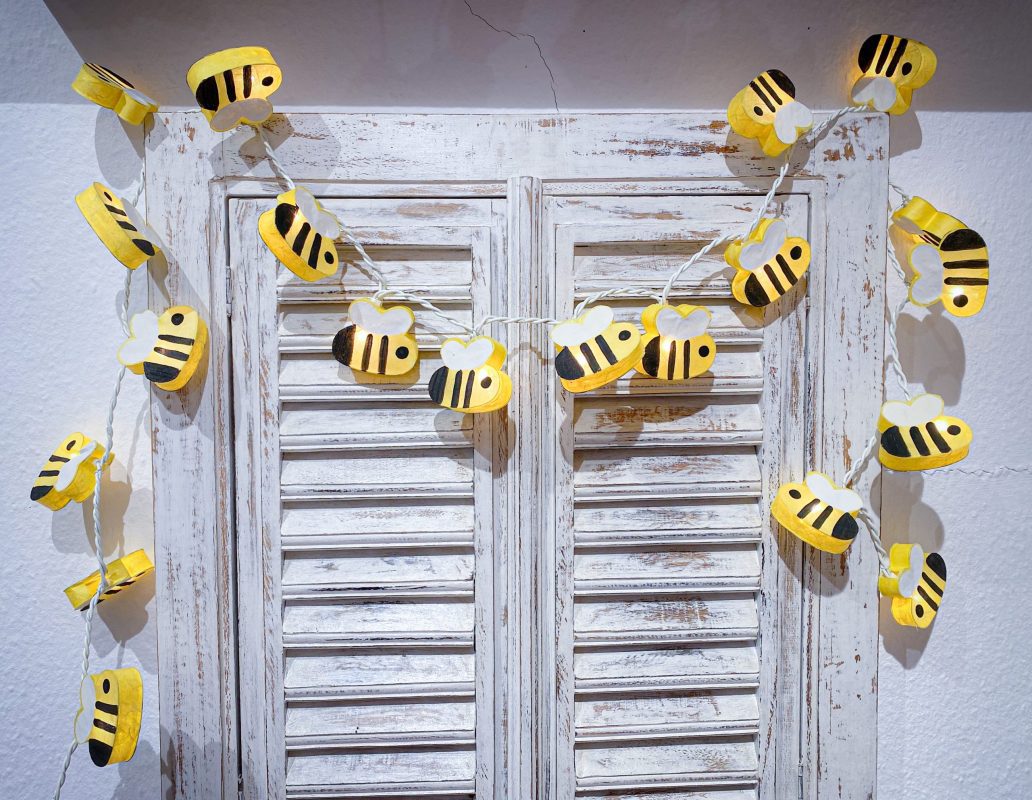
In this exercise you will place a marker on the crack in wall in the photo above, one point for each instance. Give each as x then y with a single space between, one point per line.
541 55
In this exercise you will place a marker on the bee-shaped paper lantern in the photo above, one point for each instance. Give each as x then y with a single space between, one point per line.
768 262
121 228
676 345
950 261
915 435
111 706
818 512
916 586
766 110
301 234
593 350
233 86
471 380
892 67
69 474
110 90
121 574
378 340
166 350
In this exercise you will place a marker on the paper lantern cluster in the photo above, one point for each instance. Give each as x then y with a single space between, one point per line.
233 87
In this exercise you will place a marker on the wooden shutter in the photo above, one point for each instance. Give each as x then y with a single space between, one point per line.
369 593
668 579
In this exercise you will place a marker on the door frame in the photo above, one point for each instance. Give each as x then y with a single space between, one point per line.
193 172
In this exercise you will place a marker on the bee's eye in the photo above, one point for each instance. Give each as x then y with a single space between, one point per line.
758 111
795 494
919 611
328 256
953 430
401 352
704 350
177 319
486 382
960 300
907 68
796 252
267 80
107 686
624 335
70 445
108 196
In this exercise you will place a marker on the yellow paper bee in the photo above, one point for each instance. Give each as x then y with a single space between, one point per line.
301 234
69 474
233 86
108 89
471 380
121 574
592 350
378 340
676 345
166 350
110 710
818 512
916 586
121 228
950 261
891 68
768 262
916 435
766 110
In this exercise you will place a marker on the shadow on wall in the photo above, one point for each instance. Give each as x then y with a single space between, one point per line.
538 54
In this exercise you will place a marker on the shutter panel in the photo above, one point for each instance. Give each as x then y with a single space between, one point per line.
666 566
371 675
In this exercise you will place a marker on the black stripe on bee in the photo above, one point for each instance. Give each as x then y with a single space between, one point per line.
845 528
936 437
384 345
568 367
159 373
607 351
39 491
104 726
783 82
207 94
178 355
100 752
919 442
964 239
168 337
302 236
823 516
344 344
805 510
893 444
367 352
762 95
227 79
896 57
468 394
935 563
927 597
285 214
62 459
107 708
966 281
755 293
967 263
769 270
592 361
248 69
868 50
437 383
650 358
789 275
456 386
884 54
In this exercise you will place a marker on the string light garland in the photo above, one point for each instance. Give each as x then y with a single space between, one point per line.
232 87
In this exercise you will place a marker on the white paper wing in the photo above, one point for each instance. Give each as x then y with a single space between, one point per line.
670 323
575 331
471 355
880 92
918 411
368 316
324 223
756 255
790 119
926 289
71 466
909 578
843 499
143 337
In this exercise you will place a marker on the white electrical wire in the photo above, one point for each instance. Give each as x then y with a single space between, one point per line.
102 462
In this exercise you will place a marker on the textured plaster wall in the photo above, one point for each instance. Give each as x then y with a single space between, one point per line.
955 713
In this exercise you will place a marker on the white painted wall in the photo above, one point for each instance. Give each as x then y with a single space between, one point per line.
955 710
